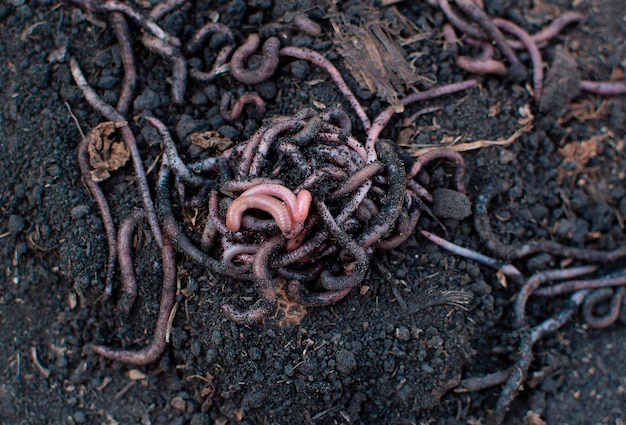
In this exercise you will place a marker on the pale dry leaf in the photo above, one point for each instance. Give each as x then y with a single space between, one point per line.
211 139
577 154
106 152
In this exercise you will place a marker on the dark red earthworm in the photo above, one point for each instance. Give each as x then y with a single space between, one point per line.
237 109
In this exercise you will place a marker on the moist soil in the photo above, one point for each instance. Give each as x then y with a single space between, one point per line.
392 351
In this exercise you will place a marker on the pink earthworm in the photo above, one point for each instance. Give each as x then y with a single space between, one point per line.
267 67
576 285
234 250
335 75
105 214
129 83
238 106
449 154
551 30
306 25
492 29
157 346
266 203
533 50
483 64
383 118
264 144
207 29
164 8
354 144
263 278
357 179
235 186
605 88
129 139
298 205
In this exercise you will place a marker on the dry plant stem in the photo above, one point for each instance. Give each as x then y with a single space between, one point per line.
319 60
120 27
598 296
111 114
604 88
520 370
105 214
237 108
267 67
508 269
519 250
533 50
577 285
517 71
157 346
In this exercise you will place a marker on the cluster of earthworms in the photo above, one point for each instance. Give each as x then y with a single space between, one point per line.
488 34
304 202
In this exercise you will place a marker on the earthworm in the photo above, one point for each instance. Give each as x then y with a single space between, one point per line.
516 71
481 223
551 30
357 179
124 243
605 88
267 67
198 38
105 214
576 285
442 153
533 50
157 346
536 280
179 65
298 205
298 293
129 139
329 281
319 60
265 285
237 108
266 203
129 83
177 164
598 296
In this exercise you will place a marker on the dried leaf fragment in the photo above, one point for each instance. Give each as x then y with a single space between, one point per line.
106 152
211 139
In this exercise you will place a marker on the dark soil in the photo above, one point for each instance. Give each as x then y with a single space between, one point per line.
389 353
